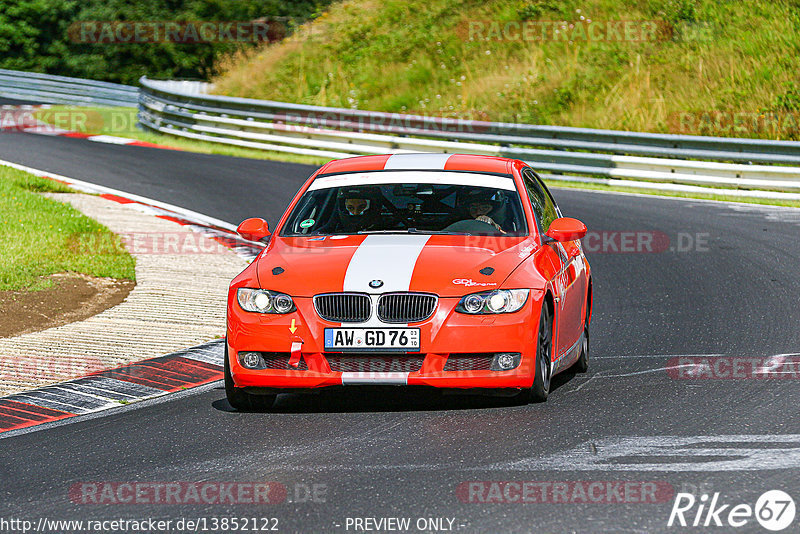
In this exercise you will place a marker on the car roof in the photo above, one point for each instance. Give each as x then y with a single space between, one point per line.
421 161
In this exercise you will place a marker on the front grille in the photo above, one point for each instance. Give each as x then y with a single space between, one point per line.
469 362
280 360
344 307
375 363
405 307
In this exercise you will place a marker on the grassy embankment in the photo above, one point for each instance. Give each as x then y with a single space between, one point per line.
40 237
458 58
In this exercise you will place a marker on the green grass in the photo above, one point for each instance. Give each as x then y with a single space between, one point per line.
121 122
418 56
40 236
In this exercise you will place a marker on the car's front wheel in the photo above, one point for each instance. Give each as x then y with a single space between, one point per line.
582 364
544 367
241 400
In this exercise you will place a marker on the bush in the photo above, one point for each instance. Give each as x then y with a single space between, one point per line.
34 36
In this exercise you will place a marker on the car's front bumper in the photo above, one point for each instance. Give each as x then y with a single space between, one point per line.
446 332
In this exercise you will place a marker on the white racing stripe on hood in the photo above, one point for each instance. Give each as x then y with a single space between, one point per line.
390 258
417 161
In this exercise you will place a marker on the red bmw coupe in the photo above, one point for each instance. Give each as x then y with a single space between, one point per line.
451 271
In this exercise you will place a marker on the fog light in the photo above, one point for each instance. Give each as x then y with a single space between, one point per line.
252 360
505 361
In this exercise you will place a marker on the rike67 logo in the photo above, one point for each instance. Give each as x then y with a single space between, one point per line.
774 510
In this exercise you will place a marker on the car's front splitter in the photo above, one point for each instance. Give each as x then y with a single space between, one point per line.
317 374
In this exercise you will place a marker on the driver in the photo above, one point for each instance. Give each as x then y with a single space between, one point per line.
357 210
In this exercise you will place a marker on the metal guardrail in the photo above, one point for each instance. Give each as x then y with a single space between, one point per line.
645 160
559 151
50 89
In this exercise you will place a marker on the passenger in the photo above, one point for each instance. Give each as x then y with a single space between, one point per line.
480 207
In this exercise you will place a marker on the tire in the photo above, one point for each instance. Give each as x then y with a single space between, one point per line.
544 361
240 400
582 364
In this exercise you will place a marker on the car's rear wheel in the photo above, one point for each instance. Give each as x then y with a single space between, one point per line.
241 400
544 367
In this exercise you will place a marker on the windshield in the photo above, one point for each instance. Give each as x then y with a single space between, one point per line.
408 208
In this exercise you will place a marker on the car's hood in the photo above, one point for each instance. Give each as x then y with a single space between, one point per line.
443 264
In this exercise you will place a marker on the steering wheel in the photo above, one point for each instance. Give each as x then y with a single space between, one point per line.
471 226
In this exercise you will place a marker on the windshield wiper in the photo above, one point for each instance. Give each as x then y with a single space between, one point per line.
413 231
396 231
436 232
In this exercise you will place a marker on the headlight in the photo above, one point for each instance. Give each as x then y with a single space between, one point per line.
264 301
489 302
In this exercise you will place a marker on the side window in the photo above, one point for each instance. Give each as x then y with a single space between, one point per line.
550 199
542 203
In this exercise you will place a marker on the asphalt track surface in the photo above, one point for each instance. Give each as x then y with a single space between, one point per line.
396 453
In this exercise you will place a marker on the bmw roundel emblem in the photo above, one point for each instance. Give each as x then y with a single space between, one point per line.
375 284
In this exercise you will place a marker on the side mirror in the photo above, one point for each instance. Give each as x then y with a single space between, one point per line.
253 229
566 229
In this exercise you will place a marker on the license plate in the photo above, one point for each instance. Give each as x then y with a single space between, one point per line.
355 339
